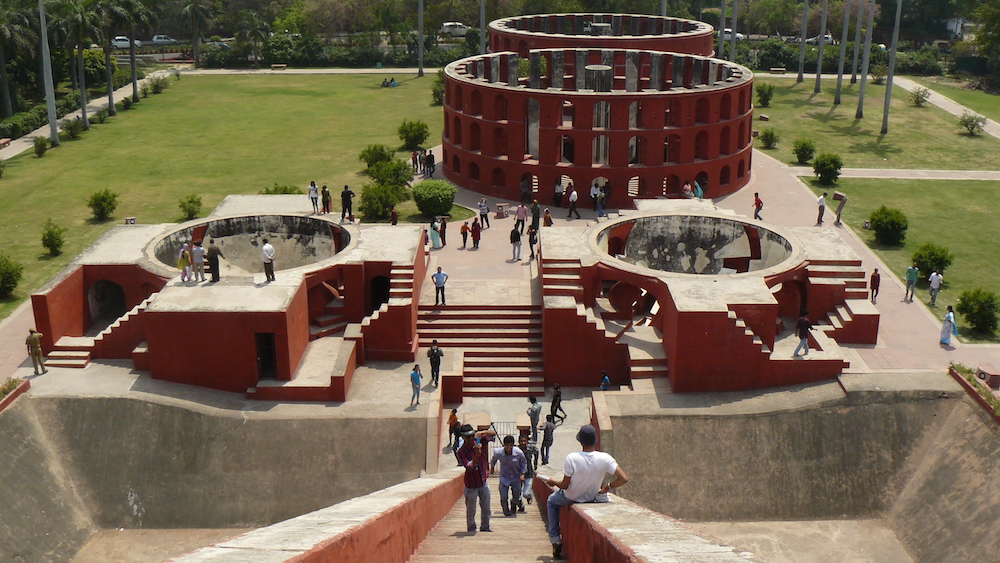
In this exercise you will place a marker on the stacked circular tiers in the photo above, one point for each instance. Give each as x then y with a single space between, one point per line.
642 122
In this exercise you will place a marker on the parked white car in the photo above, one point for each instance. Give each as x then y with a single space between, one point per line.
121 42
163 40
727 34
828 39
454 29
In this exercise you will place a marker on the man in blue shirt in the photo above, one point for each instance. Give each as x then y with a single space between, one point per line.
513 465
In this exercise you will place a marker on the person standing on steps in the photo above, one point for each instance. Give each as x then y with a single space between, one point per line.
213 254
573 197
802 328
912 273
821 203
314 196
873 283
267 255
757 206
584 473
532 241
556 407
347 203
605 381
534 415
531 453
434 354
473 457
440 278
515 243
547 437
934 286
34 344
477 233
513 466
415 378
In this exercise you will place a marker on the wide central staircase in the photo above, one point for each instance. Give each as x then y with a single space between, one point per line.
502 346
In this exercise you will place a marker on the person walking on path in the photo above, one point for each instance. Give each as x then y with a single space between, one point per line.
477 233
453 433
821 203
513 466
584 473
520 216
435 234
934 285
558 194
556 407
548 429
34 344
213 256
912 273
184 262
873 283
532 241
535 416
515 243
536 215
267 255
757 206
347 203
573 197
314 196
198 260
415 379
465 233
443 230
393 216
434 354
605 381
802 328
327 199
440 278
484 214
531 453
948 328
473 457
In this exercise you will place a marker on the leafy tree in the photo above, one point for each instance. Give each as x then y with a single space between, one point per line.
15 32
765 92
377 200
111 15
190 206
931 257
10 275
413 134
254 31
376 153
395 173
988 34
980 308
198 14
827 167
53 237
804 150
769 138
889 224
103 204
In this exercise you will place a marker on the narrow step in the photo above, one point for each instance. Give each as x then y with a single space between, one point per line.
502 362
77 363
646 372
480 342
522 391
505 372
84 343
68 355
401 284
487 334
481 308
835 262
448 322
490 315
561 269
503 382
560 279
835 271
564 290
506 353
328 320
321 331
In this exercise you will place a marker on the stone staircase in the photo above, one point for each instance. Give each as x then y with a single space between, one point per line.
562 277
401 281
647 358
502 346
848 273
332 321
77 351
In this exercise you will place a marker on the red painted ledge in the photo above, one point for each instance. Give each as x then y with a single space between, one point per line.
24 386
974 394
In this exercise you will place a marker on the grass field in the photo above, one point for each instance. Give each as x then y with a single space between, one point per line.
985 104
921 138
957 215
209 136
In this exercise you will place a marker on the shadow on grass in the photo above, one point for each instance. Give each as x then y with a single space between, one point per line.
95 221
48 256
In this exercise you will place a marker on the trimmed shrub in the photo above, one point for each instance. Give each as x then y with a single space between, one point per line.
158 83
103 204
127 102
980 308
375 153
101 116
437 89
765 92
434 197
827 167
413 134
53 237
190 206
919 96
73 128
889 225
769 138
144 89
878 73
281 190
931 257
41 146
394 173
10 275
376 201
804 150
972 122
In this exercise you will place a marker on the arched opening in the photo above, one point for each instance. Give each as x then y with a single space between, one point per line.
792 299
476 103
568 113
522 49
473 171
456 165
726 109
724 176
636 150
567 151
107 302
635 115
702 180
529 186
701 111
475 137
741 169
676 117
636 186
379 289
457 131
456 98
532 120
499 178
447 129
601 146
500 108
701 145
743 102
602 115
724 141
499 142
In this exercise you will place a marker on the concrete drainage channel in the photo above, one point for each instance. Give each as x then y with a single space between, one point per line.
916 461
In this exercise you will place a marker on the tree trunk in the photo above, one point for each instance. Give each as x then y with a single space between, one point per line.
82 69
8 107
822 43
71 57
802 44
135 73
47 87
843 52
109 72
857 41
195 42
864 62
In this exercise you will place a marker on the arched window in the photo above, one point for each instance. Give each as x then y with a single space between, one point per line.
636 150
724 141
702 179
473 171
743 101
601 147
702 111
499 179
741 170
476 105
568 113
457 98
499 142
567 150
602 115
500 108
447 130
456 130
741 139
701 145
635 115
456 166
724 176
636 186
671 185
532 120
475 137
726 109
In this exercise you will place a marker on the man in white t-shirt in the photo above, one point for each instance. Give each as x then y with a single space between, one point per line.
583 481
267 255
934 284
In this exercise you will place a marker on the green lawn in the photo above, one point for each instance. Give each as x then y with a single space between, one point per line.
985 104
210 136
922 138
957 215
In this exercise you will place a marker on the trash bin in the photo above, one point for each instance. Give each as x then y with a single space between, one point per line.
378 65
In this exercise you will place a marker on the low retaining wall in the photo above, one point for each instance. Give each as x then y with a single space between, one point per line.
383 527
21 388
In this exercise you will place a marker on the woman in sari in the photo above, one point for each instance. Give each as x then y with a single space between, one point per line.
184 262
547 218
948 328
435 234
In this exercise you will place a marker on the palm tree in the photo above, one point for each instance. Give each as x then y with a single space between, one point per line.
843 51
50 95
802 45
15 32
111 14
857 41
140 16
255 31
82 23
197 13
865 60
822 43
892 68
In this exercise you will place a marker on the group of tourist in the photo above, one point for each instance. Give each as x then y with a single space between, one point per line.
191 261
423 162
389 83
322 195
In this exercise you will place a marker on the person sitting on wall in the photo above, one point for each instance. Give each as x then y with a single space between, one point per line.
686 191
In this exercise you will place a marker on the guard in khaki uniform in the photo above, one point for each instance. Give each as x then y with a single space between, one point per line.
34 344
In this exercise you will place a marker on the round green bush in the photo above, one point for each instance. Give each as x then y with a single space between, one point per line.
53 237
376 201
375 153
765 92
413 134
889 225
434 197
103 203
769 138
827 167
41 145
10 275
980 308
931 257
804 150
190 206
